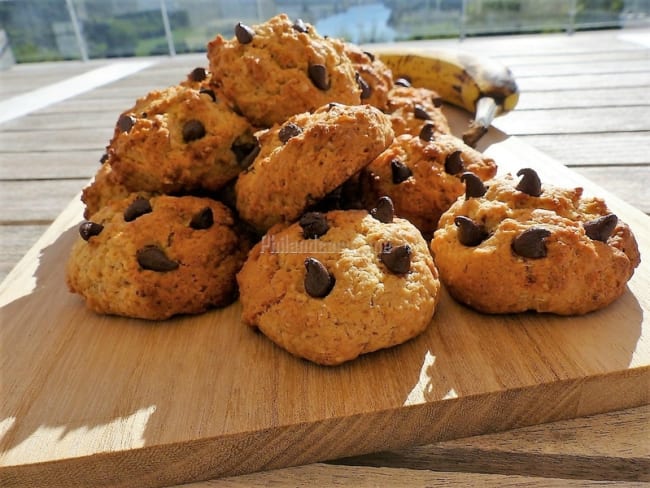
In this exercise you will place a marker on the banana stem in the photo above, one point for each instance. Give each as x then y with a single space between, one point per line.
486 110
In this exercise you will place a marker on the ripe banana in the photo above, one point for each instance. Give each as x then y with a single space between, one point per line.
480 85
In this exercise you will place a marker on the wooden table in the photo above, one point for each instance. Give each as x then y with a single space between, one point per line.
585 102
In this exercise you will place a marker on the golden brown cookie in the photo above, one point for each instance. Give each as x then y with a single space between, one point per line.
305 158
423 176
104 188
410 108
523 245
158 257
333 286
374 77
281 68
180 139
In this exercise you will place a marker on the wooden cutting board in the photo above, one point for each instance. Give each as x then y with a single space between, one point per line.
89 400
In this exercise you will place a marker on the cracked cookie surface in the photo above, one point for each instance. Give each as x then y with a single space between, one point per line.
156 257
336 285
179 139
305 158
280 68
530 246
423 177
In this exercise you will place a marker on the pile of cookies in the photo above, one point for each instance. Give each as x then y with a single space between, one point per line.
296 173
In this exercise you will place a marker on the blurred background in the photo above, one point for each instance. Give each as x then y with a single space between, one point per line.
50 30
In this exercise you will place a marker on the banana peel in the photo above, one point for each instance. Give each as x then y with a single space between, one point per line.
481 85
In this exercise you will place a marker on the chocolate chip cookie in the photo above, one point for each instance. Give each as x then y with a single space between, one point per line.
180 139
423 175
336 285
104 188
373 76
153 258
411 108
307 157
516 244
280 68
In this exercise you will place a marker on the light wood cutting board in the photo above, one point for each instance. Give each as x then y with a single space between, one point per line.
88 400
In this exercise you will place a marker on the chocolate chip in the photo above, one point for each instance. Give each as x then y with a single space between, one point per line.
318 281
474 187
244 33
104 158
384 211
203 219
289 130
197 74
427 131
529 183
469 232
192 130
318 76
366 91
210 93
400 171
420 113
437 101
370 56
89 229
530 243
397 259
125 122
601 228
153 258
314 225
454 163
300 26
245 153
138 207
403 82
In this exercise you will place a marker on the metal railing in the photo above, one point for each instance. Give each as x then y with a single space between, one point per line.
85 29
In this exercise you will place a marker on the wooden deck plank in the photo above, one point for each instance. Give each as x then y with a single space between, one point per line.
48 165
56 141
541 59
571 121
613 149
637 65
57 121
22 78
16 241
585 455
597 97
91 103
25 202
325 475
580 81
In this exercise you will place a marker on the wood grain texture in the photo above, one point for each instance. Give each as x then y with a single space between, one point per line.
613 150
566 120
36 201
47 165
588 98
16 241
614 446
325 476
201 397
